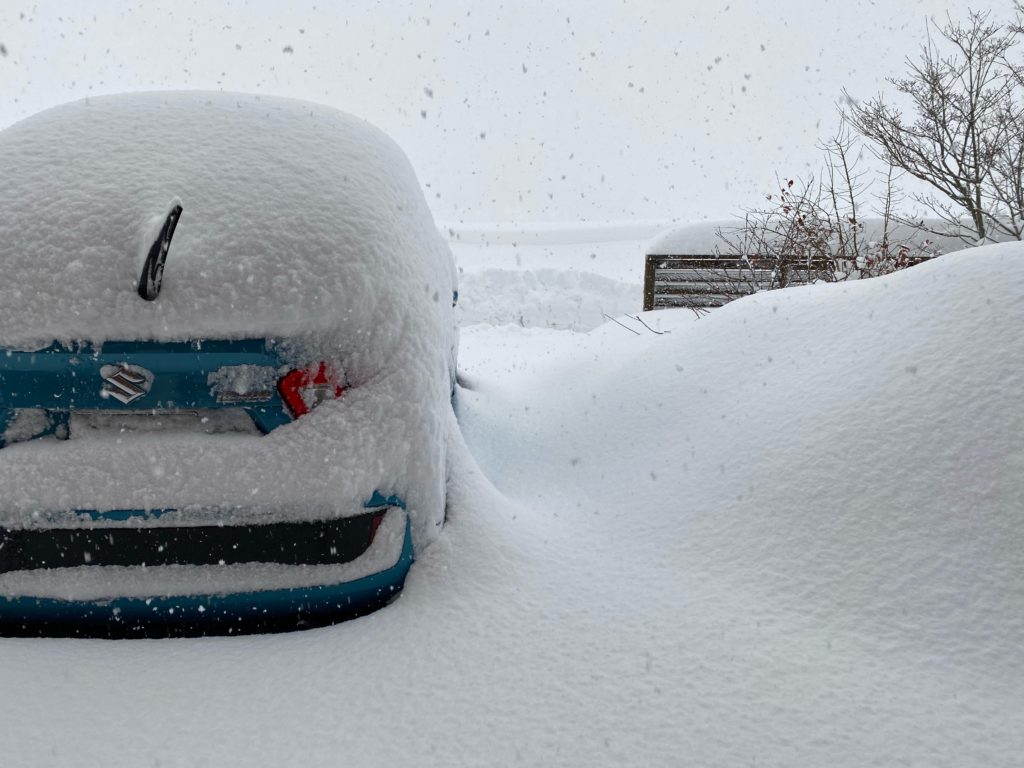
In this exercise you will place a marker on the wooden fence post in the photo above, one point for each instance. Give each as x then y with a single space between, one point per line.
650 266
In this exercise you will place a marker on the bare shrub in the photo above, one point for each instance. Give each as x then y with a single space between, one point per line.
812 229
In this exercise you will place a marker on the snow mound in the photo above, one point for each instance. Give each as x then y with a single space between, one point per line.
562 277
817 492
296 216
855 449
545 298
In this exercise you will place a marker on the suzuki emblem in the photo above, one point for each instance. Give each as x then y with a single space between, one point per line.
125 383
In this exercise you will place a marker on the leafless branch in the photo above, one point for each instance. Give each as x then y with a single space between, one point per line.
964 136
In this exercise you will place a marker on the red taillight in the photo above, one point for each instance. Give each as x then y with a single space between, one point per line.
375 522
304 389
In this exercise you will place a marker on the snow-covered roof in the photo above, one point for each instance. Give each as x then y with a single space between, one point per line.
296 216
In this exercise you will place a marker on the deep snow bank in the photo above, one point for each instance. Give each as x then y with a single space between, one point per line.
543 298
530 278
846 461
855 450
784 534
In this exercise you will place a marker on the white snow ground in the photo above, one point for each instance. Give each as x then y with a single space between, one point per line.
784 534
560 276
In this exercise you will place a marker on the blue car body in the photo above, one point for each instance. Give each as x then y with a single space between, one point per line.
61 380
227 355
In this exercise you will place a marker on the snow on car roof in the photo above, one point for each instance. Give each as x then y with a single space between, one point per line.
296 217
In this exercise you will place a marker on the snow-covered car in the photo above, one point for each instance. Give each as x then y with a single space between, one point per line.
227 350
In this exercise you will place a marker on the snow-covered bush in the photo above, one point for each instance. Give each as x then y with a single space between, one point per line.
812 229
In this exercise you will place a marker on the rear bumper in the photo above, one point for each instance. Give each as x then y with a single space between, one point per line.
245 612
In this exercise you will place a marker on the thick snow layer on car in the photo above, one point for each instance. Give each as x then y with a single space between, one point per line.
785 533
296 217
299 222
385 434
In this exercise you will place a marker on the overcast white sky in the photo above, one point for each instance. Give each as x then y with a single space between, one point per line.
527 111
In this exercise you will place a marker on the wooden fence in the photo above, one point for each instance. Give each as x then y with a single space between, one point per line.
703 281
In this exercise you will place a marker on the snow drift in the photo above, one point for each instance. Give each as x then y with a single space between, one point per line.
853 450
832 476
786 533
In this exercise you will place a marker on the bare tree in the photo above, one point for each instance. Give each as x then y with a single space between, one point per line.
965 136
813 229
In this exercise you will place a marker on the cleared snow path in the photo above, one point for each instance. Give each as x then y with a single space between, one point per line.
787 533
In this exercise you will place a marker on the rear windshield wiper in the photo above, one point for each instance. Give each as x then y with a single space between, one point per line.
153 269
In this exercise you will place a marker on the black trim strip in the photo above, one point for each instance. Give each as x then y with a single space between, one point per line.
321 542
